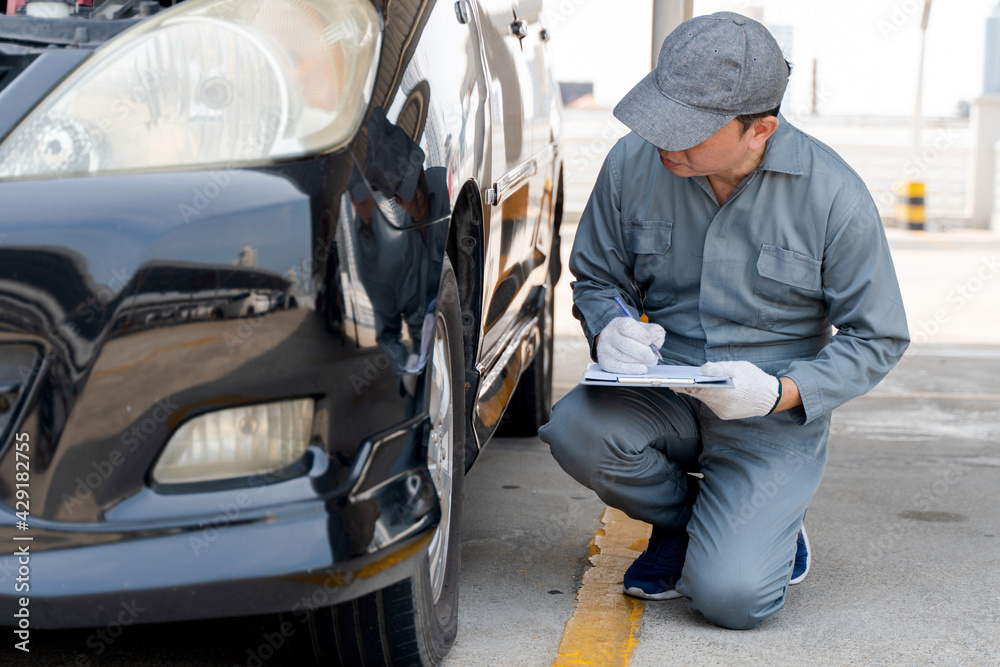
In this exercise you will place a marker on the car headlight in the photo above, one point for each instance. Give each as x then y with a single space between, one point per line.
207 82
238 442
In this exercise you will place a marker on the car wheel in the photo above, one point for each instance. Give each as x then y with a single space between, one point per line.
415 621
531 404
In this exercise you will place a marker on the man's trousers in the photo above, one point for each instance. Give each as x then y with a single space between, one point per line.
634 448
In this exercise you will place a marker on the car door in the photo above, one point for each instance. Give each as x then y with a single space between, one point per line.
545 121
520 101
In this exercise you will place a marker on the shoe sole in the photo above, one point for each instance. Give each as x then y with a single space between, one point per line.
639 593
809 557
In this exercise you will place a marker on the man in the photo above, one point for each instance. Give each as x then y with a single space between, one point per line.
741 240
399 260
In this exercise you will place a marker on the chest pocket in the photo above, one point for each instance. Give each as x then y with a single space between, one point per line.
788 288
647 237
649 241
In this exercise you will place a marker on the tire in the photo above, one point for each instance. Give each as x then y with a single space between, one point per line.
415 621
531 404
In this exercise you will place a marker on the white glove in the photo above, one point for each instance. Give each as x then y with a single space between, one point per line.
754 394
623 346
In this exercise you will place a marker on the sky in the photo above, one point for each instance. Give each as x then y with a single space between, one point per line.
866 51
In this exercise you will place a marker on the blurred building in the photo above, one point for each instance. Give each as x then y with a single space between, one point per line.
572 91
246 257
991 69
983 207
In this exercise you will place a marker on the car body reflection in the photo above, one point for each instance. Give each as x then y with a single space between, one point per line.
133 304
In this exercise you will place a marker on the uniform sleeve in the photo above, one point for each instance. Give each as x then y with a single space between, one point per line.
862 293
599 261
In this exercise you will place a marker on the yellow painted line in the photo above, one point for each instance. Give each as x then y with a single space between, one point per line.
605 624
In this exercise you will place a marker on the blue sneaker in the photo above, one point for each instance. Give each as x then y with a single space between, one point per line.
803 558
655 572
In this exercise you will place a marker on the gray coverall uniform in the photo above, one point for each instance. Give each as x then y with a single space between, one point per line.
797 246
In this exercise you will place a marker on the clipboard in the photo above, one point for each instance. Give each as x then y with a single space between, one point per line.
661 376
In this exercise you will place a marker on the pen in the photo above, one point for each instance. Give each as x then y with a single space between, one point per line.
626 313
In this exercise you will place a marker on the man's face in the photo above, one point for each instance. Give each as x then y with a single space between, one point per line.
722 152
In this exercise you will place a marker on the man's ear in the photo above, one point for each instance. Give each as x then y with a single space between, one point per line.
761 131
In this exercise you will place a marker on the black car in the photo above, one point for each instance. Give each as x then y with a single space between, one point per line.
272 274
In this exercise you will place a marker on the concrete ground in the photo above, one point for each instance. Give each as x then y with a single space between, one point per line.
905 527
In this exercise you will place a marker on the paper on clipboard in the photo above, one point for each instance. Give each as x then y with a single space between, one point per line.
657 376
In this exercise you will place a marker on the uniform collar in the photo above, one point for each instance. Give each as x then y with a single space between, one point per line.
782 152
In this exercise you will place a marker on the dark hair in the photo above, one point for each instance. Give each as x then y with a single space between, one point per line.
747 120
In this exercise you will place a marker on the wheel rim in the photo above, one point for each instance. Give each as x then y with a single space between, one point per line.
440 451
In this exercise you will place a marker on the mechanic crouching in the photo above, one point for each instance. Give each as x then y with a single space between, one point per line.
740 240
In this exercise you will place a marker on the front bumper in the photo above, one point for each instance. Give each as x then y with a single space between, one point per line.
241 561
145 300
112 385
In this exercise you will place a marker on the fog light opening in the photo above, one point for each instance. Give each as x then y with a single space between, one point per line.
237 442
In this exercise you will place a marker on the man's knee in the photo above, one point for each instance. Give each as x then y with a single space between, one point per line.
730 599
561 450
565 442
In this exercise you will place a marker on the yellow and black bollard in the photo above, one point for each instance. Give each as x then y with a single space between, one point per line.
910 204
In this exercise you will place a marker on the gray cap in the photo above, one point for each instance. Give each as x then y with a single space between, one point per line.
393 161
711 69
